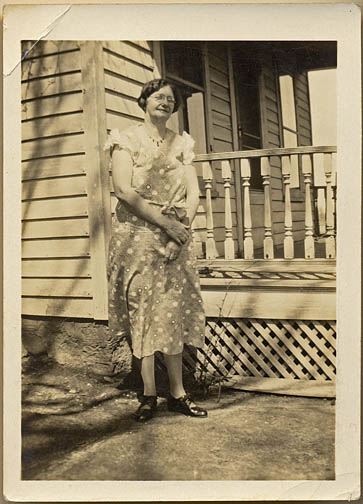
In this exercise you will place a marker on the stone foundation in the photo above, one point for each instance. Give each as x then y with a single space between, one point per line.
76 343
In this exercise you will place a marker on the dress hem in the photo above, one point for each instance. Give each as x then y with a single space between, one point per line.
166 353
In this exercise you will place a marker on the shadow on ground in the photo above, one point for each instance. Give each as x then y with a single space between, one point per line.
77 427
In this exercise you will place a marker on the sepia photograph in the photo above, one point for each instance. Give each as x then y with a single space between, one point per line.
180 220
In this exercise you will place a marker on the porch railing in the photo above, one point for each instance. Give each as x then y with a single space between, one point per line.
315 167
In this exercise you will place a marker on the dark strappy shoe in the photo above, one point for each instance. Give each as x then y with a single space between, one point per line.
186 406
146 409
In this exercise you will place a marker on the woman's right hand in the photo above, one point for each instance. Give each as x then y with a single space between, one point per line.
177 231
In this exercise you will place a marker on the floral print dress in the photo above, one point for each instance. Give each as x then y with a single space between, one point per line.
157 303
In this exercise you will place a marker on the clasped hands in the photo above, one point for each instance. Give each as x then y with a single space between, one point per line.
181 236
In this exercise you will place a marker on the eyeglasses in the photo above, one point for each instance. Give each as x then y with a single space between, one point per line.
162 97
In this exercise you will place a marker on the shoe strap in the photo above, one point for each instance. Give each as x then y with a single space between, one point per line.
148 401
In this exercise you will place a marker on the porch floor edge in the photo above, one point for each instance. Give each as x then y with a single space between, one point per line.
283 386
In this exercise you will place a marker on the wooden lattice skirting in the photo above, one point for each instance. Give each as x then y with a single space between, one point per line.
292 349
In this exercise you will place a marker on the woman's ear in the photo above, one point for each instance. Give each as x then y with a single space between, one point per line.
142 103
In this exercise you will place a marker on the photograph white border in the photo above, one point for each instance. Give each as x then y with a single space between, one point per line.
340 22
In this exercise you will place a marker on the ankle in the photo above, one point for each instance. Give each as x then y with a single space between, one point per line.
177 395
149 393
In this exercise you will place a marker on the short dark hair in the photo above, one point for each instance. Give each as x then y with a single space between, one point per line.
154 85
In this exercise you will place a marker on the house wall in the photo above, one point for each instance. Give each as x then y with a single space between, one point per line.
72 94
56 249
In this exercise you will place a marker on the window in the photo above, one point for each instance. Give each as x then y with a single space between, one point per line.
184 61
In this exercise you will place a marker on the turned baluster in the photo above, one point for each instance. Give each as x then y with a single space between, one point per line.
268 244
194 242
247 218
334 185
211 251
307 170
288 240
320 183
330 227
228 242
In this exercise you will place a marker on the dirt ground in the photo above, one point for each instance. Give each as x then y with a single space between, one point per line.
77 427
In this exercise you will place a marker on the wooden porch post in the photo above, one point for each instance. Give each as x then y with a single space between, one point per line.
95 132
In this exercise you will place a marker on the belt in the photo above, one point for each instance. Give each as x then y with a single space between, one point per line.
177 209
124 215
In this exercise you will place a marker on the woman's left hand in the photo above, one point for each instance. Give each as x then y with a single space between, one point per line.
172 251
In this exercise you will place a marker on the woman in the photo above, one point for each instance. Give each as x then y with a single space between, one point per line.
154 292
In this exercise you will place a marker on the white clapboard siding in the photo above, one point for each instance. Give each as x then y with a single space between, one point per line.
219 91
142 44
123 105
303 117
115 120
58 247
50 126
130 52
126 68
54 146
222 133
221 120
50 65
55 208
58 307
53 167
56 84
52 105
221 106
56 187
121 85
64 287
57 268
55 228
32 48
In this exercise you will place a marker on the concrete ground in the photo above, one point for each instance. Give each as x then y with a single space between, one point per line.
76 427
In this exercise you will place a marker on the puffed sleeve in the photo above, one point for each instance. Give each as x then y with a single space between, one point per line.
122 141
188 149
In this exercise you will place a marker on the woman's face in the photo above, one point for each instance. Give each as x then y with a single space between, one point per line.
160 104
